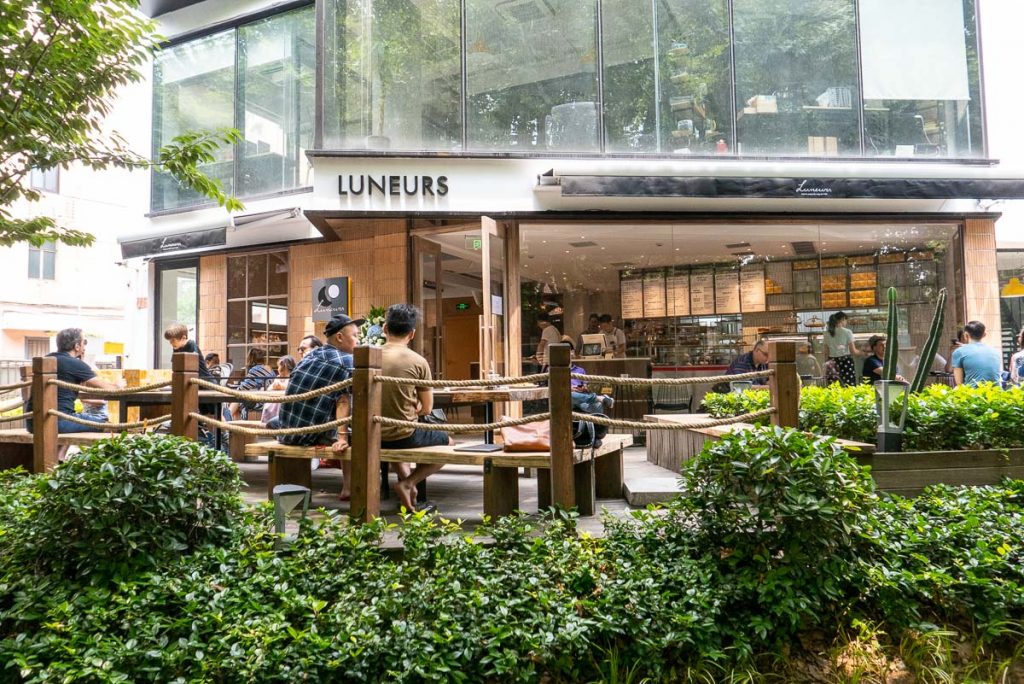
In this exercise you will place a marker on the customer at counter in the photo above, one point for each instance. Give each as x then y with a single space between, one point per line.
841 349
616 337
754 360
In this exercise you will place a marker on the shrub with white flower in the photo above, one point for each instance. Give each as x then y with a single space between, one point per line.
371 332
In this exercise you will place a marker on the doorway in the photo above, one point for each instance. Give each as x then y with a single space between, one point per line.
177 298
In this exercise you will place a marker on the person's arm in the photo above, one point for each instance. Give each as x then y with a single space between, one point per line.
620 344
425 395
342 410
542 348
958 375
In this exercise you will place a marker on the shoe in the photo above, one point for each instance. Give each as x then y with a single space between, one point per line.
427 507
607 401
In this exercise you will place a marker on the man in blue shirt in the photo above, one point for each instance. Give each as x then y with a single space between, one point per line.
754 360
975 362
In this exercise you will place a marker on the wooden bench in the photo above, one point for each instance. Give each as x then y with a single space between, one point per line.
16 445
597 477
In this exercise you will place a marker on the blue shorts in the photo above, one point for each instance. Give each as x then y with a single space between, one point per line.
419 438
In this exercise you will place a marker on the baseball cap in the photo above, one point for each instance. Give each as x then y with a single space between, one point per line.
339 322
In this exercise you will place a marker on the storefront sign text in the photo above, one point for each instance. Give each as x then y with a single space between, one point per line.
358 184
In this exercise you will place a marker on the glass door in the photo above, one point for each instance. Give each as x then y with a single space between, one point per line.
177 296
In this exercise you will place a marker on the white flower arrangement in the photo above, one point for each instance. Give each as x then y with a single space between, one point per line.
371 332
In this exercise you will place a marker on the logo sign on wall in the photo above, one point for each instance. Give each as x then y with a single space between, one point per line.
331 296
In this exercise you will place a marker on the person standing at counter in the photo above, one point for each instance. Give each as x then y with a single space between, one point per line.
615 335
549 335
839 343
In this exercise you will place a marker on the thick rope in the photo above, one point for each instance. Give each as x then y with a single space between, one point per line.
268 432
482 382
463 428
669 382
109 393
639 425
12 419
111 427
267 398
20 385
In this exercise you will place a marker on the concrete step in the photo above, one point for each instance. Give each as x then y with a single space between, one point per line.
641 491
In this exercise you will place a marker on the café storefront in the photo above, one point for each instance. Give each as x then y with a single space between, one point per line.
485 245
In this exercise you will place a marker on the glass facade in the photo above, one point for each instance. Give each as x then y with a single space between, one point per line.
659 77
258 78
257 294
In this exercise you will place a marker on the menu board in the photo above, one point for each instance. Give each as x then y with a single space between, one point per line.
632 298
677 292
727 292
702 293
654 294
752 289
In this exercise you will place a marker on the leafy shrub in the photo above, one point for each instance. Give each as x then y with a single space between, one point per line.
726 404
129 500
779 511
939 418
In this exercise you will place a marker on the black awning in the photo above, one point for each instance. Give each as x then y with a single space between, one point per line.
177 242
790 188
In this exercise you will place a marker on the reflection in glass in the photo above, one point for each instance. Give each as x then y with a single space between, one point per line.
177 304
796 77
257 275
667 90
278 275
394 79
194 87
921 91
236 267
277 60
532 75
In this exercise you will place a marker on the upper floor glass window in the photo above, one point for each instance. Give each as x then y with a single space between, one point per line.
833 78
47 180
258 78
42 261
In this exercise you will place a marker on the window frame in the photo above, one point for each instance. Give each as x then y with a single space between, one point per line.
267 299
45 180
44 252
238 90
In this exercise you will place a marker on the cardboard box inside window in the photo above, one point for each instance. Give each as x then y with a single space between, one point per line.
822 146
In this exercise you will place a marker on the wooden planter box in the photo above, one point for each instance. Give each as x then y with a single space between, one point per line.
909 472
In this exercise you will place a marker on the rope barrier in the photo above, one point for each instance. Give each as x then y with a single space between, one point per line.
111 427
483 382
12 419
268 432
669 382
267 398
643 425
18 386
463 428
109 393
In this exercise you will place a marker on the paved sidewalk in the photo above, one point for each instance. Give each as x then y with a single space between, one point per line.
458 490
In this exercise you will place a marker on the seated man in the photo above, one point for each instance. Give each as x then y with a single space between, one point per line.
71 368
582 398
874 364
975 362
406 402
323 365
754 360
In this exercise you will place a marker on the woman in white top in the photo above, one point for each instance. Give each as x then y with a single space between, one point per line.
841 350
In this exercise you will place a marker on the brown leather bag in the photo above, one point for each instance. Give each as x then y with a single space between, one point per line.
529 437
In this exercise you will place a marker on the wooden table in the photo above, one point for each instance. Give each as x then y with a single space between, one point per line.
163 398
488 396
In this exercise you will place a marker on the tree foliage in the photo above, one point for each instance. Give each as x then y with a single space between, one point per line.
61 64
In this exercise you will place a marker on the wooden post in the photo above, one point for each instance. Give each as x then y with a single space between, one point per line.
784 384
366 395
563 491
44 426
184 395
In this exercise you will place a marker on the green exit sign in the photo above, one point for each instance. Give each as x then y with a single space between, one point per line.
474 243
462 306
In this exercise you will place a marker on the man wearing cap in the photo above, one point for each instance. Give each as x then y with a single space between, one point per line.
326 365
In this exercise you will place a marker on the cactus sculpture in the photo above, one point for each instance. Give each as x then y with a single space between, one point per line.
892 340
931 345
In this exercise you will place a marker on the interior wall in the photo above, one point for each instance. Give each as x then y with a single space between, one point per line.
371 254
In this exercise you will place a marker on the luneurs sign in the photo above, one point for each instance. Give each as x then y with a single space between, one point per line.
368 184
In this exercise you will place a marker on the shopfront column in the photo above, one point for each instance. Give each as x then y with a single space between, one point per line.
981 280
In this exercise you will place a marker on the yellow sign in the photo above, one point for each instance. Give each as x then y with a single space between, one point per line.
1014 288
113 348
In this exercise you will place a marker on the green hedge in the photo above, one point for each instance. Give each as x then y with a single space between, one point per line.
777 535
939 418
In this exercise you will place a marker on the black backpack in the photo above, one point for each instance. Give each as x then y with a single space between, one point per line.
587 434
